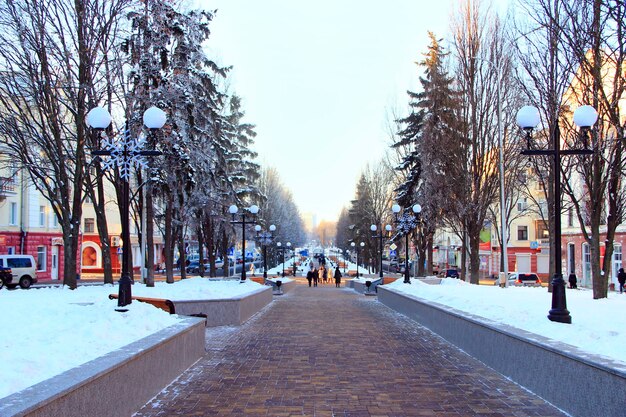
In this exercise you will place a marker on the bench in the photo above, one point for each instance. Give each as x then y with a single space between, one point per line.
258 280
161 303
388 280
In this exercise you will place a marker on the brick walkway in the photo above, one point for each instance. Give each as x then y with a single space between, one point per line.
331 352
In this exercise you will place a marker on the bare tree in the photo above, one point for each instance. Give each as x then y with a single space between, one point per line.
51 55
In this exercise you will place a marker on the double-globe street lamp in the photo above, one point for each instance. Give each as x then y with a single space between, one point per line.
265 238
125 154
405 225
354 245
528 118
281 248
253 210
380 236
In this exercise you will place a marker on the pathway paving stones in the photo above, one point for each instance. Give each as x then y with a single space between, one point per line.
332 352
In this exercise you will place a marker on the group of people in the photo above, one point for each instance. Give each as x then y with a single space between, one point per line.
322 274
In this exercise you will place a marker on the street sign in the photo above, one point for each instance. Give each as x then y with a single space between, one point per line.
393 246
392 253
231 251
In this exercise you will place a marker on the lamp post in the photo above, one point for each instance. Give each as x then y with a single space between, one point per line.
253 210
125 154
282 249
265 238
528 118
354 245
405 224
380 236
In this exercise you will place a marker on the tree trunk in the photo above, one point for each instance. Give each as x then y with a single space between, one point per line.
149 234
474 243
429 248
169 242
103 228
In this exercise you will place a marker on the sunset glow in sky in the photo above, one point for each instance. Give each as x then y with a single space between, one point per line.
320 80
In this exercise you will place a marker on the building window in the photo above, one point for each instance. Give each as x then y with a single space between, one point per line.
586 263
13 214
42 216
11 250
570 217
55 221
522 232
522 204
542 231
41 258
89 226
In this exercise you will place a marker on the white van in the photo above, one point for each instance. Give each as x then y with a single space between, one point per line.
23 269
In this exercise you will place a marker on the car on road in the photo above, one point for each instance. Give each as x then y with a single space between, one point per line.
522 279
450 273
194 267
23 270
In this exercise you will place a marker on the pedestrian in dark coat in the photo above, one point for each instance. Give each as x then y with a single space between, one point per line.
316 277
337 277
621 278
572 281
309 277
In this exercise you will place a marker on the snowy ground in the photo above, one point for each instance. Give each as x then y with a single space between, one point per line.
47 331
597 325
50 330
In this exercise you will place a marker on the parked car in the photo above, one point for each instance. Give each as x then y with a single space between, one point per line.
5 276
450 273
521 279
194 267
23 270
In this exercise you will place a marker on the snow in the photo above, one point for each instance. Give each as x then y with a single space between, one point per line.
48 331
597 325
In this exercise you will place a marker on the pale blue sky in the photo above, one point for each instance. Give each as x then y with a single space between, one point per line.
318 78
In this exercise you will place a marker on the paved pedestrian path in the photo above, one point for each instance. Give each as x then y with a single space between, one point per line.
332 352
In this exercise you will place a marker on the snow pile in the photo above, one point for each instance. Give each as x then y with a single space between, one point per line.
597 325
197 289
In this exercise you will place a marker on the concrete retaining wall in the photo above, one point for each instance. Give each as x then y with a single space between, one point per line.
224 312
360 286
117 384
579 383
285 287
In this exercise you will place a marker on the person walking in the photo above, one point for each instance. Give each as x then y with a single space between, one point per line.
309 276
621 278
572 281
252 269
337 277
324 274
316 277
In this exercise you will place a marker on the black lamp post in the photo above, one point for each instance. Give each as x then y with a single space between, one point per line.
354 245
345 260
265 238
282 249
528 118
380 236
125 154
405 224
253 210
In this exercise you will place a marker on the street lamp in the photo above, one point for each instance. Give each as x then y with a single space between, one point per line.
405 224
381 235
282 249
125 154
265 238
253 210
528 119
354 245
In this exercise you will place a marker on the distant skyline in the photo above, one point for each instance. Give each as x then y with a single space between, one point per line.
319 80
